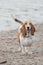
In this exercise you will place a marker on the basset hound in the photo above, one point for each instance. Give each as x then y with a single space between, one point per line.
25 33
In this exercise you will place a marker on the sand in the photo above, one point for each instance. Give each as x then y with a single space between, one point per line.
9 45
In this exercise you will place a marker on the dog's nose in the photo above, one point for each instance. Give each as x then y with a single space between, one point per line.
27 28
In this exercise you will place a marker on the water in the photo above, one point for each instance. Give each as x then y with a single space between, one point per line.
21 9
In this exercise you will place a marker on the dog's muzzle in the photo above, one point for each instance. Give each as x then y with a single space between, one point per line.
28 29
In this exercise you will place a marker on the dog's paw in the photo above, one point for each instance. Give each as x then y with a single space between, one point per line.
19 49
30 53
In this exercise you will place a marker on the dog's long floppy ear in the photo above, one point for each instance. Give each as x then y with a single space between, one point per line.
32 29
18 21
23 30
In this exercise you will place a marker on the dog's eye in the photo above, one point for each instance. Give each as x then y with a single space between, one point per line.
26 23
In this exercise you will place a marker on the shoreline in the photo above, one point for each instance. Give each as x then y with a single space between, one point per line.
36 24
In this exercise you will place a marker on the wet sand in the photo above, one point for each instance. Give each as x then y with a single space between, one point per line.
9 46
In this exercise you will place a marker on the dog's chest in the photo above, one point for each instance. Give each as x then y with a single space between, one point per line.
27 41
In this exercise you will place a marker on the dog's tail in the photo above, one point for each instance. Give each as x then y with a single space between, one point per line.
15 19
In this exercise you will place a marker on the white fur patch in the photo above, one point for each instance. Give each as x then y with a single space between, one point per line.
25 41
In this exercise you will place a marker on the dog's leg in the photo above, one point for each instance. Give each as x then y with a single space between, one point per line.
23 50
26 49
19 49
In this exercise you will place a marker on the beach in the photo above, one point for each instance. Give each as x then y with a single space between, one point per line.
9 46
23 10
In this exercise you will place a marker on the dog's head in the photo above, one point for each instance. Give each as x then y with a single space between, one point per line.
27 28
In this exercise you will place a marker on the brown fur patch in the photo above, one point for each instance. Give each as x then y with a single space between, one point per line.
23 30
32 29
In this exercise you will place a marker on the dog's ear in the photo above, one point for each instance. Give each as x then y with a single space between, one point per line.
32 29
23 30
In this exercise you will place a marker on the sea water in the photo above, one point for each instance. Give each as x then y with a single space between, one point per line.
21 9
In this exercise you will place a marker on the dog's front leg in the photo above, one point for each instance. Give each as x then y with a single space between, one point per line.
22 49
26 49
19 49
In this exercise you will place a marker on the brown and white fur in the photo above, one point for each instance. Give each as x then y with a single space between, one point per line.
25 33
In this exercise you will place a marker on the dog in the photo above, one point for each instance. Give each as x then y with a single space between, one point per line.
25 33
